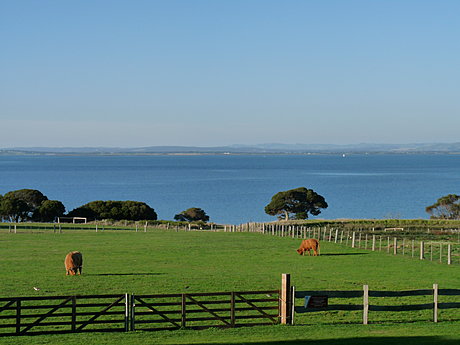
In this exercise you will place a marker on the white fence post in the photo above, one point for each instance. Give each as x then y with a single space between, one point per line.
365 304
435 302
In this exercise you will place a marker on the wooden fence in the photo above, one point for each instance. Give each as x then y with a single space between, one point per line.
122 313
447 252
102 226
325 301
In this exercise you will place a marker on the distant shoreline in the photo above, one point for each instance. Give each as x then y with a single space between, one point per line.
260 149
108 154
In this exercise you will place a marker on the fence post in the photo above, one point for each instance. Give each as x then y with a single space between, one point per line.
292 304
74 314
365 304
373 243
336 235
132 315
353 240
422 250
232 309
435 302
183 316
18 316
395 246
126 312
285 297
449 254
440 252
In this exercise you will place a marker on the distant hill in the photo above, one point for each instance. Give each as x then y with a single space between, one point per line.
270 148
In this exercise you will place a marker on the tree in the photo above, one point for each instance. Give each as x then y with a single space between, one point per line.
447 207
192 215
117 210
13 209
50 209
298 202
31 197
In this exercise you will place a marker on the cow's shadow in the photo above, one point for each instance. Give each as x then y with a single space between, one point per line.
125 274
341 254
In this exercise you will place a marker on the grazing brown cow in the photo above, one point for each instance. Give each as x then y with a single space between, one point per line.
307 245
73 263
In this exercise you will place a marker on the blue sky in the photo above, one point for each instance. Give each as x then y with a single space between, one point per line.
208 73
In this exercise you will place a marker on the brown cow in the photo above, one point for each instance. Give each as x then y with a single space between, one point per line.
73 263
307 245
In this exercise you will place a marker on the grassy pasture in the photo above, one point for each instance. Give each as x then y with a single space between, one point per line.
176 262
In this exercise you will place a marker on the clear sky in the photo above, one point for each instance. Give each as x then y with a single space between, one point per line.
206 73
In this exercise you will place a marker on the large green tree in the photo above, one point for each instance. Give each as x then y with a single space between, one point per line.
192 214
22 204
117 210
298 202
447 207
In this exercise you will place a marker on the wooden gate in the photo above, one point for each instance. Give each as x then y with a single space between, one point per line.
204 310
63 314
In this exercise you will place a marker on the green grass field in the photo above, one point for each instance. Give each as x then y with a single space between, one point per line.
178 262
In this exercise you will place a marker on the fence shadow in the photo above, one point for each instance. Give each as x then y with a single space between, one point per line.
416 340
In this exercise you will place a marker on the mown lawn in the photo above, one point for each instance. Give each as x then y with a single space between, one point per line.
177 262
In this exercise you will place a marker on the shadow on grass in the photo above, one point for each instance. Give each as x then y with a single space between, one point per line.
420 340
340 254
125 274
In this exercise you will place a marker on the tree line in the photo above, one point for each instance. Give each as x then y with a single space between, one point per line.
32 205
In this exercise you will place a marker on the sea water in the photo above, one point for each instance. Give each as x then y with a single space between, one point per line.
235 188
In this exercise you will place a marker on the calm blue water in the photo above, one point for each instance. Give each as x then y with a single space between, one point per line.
235 189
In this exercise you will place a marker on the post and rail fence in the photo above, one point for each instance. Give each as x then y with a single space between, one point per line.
447 252
131 312
389 240
317 301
